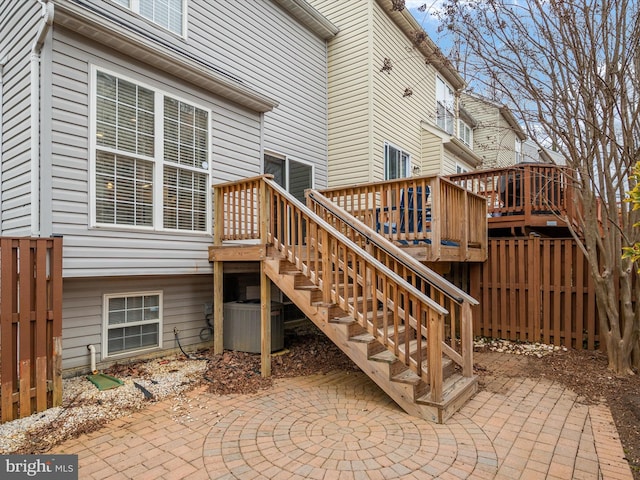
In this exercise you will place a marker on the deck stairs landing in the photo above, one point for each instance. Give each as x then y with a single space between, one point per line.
389 327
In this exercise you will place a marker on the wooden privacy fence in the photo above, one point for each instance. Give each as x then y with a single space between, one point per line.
30 326
537 290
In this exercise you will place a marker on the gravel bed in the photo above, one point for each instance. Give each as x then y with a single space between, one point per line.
86 408
538 350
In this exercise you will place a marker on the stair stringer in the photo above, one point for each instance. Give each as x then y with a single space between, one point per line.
404 394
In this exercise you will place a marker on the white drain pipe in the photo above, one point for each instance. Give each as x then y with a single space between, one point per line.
92 350
36 49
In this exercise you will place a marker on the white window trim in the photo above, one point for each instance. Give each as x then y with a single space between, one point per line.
407 172
461 168
453 106
287 159
157 160
134 7
462 125
105 322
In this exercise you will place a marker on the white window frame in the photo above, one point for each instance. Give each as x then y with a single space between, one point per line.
445 99
106 327
157 159
464 127
461 168
407 169
518 150
134 6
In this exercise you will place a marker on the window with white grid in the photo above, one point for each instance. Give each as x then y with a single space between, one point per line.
166 13
133 322
145 177
445 106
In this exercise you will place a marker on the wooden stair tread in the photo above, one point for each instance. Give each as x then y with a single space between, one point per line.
408 377
385 356
452 388
363 338
311 288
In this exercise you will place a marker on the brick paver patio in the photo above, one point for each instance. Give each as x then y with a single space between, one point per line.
342 426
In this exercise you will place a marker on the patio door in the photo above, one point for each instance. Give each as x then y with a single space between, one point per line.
295 177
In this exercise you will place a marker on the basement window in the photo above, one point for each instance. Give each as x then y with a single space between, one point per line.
133 322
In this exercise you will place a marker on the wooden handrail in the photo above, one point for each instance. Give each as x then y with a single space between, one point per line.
348 275
455 300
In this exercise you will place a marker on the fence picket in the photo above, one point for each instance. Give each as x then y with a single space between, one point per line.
548 297
30 326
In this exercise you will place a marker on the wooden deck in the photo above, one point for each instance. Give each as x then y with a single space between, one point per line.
523 197
431 218
413 338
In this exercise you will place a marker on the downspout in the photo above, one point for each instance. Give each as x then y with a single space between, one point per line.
3 62
46 21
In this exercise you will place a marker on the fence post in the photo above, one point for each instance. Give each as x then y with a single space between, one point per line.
56 289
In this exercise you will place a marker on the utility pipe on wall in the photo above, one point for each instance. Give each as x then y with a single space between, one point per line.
46 21
92 351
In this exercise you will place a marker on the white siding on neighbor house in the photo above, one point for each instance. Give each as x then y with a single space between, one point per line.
269 50
397 119
183 308
235 136
18 24
349 91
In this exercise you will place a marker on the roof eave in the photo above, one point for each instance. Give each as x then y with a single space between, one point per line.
459 148
513 123
428 48
310 17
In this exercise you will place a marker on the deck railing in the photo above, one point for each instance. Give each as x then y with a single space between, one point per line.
402 317
458 323
418 211
533 194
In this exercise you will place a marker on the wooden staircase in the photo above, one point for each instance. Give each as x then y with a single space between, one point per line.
391 328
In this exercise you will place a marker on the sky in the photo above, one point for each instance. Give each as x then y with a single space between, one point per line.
428 21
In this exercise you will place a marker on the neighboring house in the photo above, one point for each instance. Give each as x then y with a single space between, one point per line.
393 106
532 152
140 107
495 134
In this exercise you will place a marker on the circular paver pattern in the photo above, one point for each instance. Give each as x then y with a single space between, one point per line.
325 434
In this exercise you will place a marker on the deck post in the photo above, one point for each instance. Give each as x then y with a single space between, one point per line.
466 336
265 322
218 275
434 355
265 288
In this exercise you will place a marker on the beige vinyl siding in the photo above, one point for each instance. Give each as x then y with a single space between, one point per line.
493 138
183 308
449 162
349 91
432 151
18 25
506 154
266 47
106 251
396 118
